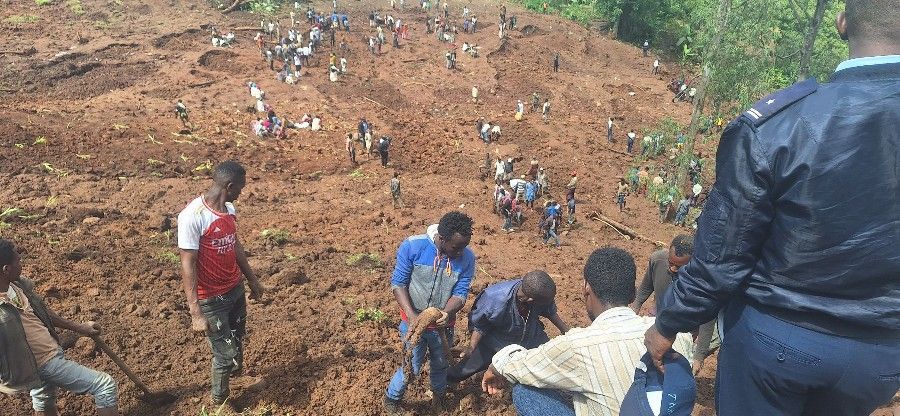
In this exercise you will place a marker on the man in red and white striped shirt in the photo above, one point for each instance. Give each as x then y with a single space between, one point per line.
212 265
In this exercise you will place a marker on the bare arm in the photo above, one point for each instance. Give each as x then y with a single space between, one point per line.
189 279
88 329
189 283
559 323
645 290
454 305
256 289
401 293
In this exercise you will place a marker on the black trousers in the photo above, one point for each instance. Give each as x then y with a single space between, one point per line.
478 361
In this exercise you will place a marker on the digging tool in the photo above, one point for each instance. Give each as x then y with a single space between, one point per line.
148 396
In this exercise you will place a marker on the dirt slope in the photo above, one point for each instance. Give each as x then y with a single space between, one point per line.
99 88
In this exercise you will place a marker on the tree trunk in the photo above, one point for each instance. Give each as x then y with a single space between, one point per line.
712 51
810 42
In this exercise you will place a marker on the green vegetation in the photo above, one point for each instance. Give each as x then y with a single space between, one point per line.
43 2
370 314
761 48
22 19
205 166
365 260
75 6
39 140
264 7
167 256
275 236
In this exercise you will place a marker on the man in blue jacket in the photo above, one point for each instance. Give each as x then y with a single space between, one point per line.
508 313
797 244
433 270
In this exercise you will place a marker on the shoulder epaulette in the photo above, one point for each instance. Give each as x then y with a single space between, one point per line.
779 100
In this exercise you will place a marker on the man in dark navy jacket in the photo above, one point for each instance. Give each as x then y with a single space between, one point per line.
797 247
507 313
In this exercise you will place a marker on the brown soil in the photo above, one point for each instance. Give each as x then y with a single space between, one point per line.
100 88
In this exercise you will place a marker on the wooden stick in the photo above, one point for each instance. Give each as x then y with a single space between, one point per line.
109 352
622 228
201 84
373 101
617 151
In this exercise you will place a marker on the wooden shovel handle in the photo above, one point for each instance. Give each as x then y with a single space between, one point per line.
109 352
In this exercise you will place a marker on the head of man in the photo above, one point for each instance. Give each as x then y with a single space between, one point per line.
871 26
537 287
680 252
454 234
609 277
230 177
10 262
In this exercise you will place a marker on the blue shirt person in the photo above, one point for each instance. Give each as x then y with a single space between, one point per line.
507 313
796 249
433 269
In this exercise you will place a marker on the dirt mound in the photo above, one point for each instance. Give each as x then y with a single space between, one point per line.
531 30
222 61
179 40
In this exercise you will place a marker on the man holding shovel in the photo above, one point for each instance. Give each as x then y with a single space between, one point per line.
30 355
433 270
213 265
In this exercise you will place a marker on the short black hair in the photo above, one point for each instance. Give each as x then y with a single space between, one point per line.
229 171
683 245
7 252
873 19
539 286
611 274
455 222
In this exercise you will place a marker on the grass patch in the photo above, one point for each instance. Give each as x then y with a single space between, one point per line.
167 256
75 6
43 2
365 260
22 19
370 314
274 236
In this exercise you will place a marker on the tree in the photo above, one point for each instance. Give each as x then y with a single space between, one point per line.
712 52
809 43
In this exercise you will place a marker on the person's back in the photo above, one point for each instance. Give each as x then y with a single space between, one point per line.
821 229
806 183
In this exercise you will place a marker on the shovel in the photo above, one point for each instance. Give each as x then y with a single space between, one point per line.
160 398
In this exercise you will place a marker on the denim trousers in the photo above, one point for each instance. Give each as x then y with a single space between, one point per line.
768 366
76 378
551 235
437 359
532 401
226 315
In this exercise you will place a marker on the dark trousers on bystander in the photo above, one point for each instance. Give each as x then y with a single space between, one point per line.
768 366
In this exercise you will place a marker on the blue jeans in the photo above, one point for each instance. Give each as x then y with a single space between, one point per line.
437 360
532 401
551 235
76 378
768 366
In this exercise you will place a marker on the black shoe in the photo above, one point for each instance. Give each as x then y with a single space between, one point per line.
392 407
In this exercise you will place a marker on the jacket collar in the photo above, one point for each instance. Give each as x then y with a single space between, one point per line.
868 72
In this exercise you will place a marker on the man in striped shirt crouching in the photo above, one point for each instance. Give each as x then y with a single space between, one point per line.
587 371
